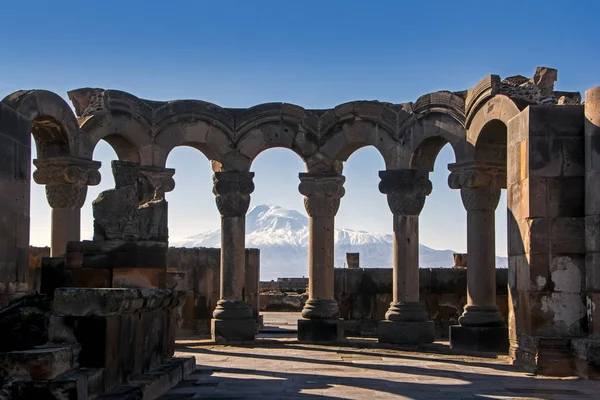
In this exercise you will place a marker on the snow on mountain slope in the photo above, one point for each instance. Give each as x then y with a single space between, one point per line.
282 236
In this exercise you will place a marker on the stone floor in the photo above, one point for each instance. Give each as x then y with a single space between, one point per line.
278 367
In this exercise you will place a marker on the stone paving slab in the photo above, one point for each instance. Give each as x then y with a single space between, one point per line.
286 369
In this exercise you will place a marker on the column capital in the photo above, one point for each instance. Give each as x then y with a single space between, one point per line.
322 193
480 184
66 179
477 174
157 182
406 190
232 190
66 170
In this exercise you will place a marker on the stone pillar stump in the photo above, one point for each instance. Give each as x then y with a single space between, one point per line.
233 319
322 193
482 327
405 321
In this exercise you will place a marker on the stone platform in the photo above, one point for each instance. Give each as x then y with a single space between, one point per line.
493 339
399 332
285 369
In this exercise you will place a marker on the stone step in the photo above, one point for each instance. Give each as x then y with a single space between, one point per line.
155 383
79 384
44 362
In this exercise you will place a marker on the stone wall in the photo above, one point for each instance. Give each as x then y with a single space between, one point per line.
15 176
197 272
364 296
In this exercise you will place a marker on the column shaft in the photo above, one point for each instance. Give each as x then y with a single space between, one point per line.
406 258
481 258
66 227
320 264
233 258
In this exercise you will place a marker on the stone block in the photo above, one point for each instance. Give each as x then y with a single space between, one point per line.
488 339
567 272
119 254
139 278
90 278
565 197
319 330
233 330
399 332
567 235
592 233
46 362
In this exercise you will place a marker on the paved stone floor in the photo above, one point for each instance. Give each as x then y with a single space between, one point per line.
278 367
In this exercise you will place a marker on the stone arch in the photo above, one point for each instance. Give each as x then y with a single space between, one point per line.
53 123
351 126
273 125
499 107
492 143
201 125
426 136
126 134
121 119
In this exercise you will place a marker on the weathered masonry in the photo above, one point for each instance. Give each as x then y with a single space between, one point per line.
516 134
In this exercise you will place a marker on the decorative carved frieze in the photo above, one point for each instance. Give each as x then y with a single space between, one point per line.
480 184
66 179
406 190
232 190
322 193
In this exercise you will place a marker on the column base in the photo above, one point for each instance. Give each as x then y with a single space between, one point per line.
401 332
319 330
233 330
485 339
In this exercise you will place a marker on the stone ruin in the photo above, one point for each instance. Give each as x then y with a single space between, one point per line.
516 134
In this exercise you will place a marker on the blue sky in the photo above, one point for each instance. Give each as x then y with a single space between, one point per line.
313 53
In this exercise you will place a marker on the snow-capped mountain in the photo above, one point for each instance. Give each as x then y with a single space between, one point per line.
282 237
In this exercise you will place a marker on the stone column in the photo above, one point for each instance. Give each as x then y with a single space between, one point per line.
322 193
405 321
592 208
233 319
481 324
66 180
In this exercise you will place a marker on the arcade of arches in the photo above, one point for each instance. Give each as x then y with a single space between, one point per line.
517 134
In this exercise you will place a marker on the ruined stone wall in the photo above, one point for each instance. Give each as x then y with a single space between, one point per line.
197 271
546 235
364 296
15 176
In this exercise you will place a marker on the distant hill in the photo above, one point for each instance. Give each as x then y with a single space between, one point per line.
282 236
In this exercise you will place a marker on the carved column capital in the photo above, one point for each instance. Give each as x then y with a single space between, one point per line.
406 190
66 179
322 193
151 182
232 190
480 184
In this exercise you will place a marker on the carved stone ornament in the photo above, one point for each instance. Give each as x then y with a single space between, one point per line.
66 179
406 190
480 184
232 190
322 193
136 209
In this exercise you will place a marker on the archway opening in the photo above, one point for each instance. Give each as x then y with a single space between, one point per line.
491 147
363 243
105 153
194 219
277 224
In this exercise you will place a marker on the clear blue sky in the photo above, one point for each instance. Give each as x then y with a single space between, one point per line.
313 53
